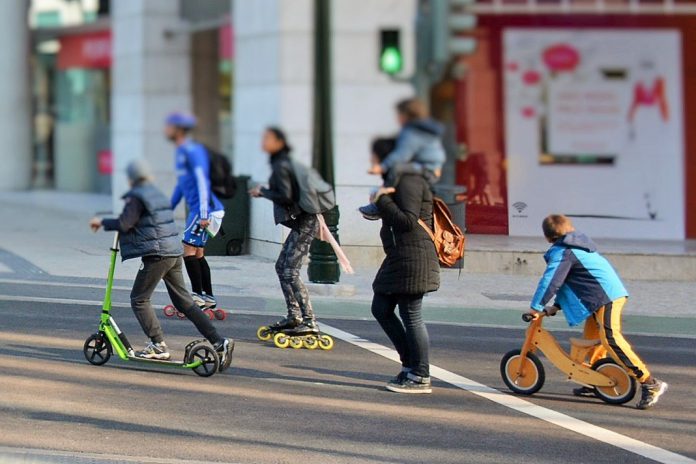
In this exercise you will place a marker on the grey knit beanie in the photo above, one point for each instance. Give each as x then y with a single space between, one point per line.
138 170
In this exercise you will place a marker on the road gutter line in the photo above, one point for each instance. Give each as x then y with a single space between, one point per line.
513 402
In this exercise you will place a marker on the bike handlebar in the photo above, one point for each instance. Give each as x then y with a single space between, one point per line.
527 317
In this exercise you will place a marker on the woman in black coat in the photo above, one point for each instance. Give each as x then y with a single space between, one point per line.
409 270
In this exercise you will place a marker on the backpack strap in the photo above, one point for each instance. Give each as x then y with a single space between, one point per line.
427 229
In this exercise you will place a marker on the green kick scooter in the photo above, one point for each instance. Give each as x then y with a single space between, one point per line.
198 356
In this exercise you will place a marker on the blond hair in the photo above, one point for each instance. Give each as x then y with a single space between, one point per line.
556 226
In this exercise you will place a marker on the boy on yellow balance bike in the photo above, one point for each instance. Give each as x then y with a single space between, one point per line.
588 289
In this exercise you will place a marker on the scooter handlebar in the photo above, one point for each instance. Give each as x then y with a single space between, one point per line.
527 317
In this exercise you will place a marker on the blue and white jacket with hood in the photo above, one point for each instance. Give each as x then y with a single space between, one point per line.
580 278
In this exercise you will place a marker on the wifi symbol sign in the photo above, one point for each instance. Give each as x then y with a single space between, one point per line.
520 206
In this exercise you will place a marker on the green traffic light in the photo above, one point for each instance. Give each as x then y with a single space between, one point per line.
391 61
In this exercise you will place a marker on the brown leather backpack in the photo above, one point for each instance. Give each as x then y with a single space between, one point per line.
448 237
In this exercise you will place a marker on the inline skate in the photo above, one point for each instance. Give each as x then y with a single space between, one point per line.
295 333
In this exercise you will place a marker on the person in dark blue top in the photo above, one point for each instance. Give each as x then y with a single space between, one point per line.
588 289
205 211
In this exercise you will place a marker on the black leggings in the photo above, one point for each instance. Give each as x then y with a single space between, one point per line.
408 334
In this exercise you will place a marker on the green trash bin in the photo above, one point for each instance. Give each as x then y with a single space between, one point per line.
231 239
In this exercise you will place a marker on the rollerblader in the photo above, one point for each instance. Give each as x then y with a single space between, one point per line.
283 191
147 230
205 210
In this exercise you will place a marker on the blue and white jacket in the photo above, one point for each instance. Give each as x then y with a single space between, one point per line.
193 180
579 277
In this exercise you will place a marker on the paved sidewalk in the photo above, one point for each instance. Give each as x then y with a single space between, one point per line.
47 234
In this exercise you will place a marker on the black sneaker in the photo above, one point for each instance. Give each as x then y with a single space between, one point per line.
400 377
224 350
370 212
650 393
286 323
154 351
585 392
410 386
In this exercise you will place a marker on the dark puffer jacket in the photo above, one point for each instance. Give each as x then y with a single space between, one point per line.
155 233
411 266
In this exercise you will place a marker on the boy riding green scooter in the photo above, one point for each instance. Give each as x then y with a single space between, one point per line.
147 230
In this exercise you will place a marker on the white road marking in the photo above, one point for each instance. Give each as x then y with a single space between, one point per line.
518 404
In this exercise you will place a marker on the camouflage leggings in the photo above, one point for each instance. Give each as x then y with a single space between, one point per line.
295 249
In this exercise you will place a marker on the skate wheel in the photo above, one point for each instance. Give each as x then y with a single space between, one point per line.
281 340
326 342
169 311
180 315
220 315
311 343
209 313
264 333
296 343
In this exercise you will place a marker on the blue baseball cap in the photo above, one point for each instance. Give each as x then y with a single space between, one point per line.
179 119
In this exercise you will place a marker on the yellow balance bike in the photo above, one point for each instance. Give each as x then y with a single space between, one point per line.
586 364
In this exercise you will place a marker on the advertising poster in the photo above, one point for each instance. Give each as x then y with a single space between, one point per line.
594 130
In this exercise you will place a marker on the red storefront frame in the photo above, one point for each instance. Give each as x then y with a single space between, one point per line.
490 58
89 50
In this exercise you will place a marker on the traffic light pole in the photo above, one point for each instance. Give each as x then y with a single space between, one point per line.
323 265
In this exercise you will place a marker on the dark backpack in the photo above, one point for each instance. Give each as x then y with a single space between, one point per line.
316 195
222 182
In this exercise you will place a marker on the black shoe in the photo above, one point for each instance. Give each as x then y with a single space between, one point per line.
224 349
288 322
307 327
370 212
401 376
410 386
585 392
650 393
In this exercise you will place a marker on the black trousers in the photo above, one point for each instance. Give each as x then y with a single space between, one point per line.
408 333
153 270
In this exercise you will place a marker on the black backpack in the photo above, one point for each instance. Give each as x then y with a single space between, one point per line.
222 182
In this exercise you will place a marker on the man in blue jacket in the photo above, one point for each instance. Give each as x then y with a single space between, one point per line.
588 289
205 210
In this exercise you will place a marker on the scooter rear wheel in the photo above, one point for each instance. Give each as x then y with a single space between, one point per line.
207 355
625 388
97 349
220 314
533 376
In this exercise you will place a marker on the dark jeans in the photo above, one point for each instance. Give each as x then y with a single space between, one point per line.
289 263
153 270
408 334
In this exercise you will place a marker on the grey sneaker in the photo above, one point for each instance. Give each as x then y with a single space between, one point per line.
154 351
199 300
209 301
650 393
225 350
410 386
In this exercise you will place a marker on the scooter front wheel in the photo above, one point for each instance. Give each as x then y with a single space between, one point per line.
625 388
97 349
210 361
533 375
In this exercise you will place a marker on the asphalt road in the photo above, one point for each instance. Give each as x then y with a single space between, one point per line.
297 406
